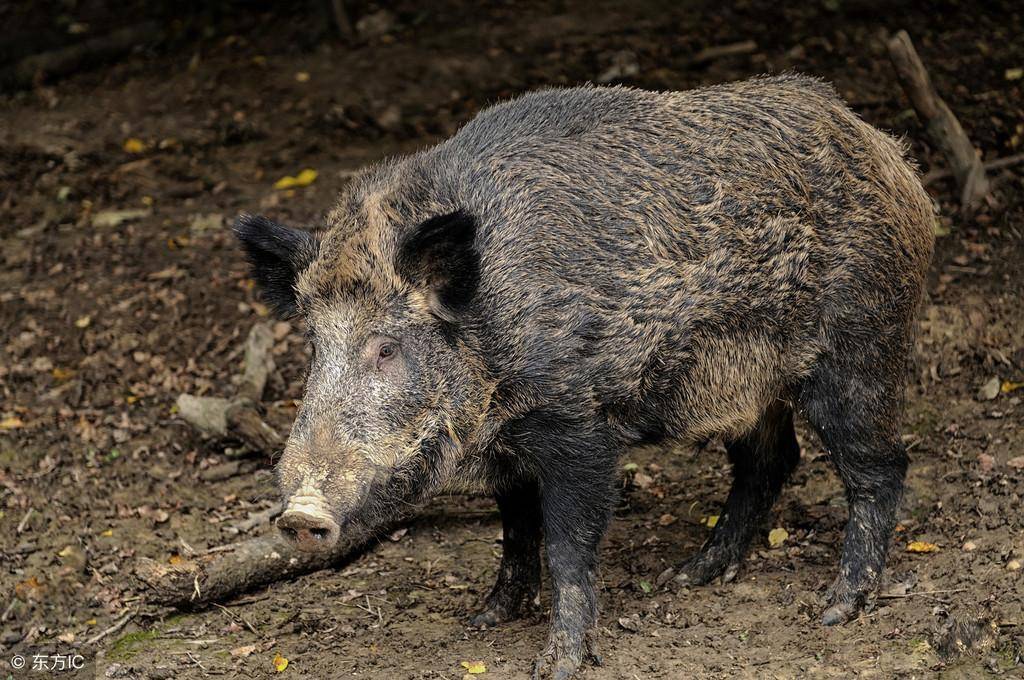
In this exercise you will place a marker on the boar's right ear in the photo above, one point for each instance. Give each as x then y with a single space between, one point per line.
276 256
439 254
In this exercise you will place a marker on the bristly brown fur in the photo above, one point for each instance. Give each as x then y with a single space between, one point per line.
648 265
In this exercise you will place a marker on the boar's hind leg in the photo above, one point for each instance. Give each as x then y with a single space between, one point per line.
761 461
519 575
854 406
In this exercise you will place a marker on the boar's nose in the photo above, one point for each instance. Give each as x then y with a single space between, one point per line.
312 532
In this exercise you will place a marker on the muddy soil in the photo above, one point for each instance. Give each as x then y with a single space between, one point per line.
121 288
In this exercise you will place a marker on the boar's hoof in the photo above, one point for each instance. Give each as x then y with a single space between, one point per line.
562 659
312 533
490 617
839 613
704 567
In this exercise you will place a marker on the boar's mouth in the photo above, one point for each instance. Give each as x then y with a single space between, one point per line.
398 492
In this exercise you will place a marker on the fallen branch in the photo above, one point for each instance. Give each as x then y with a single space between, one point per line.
234 569
996 164
238 418
942 126
721 51
61 62
116 626
342 21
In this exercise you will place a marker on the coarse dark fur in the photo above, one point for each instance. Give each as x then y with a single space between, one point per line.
579 270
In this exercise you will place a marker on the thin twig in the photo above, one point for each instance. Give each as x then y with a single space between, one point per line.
996 164
117 625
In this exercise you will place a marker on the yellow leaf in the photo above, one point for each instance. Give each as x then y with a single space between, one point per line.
302 77
62 373
711 521
131 399
12 423
777 537
303 179
280 663
474 667
922 547
83 321
90 622
175 559
1014 73
134 145
107 534
1009 386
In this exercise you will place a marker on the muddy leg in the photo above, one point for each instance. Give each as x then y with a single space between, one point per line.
575 463
519 575
761 463
573 526
856 419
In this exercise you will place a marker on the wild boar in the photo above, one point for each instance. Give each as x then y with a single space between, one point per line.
582 269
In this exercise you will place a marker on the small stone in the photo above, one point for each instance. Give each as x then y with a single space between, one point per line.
990 390
970 546
1013 565
376 24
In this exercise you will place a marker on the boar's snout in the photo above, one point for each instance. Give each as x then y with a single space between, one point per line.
307 523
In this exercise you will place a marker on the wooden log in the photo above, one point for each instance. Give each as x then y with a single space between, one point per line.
66 60
942 126
224 572
342 21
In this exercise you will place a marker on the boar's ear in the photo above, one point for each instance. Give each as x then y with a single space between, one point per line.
276 256
439 254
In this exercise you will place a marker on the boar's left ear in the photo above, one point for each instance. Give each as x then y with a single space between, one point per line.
439 254
276 256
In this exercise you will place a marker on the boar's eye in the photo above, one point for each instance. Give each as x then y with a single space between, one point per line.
386 352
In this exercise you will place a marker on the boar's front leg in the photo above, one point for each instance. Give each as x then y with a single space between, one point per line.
519 575
576 470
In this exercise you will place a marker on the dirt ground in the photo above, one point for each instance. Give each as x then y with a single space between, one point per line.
107 316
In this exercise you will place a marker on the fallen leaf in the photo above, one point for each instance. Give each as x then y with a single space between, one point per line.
107 533
922 547
710 521
83 321
244 650
280 663
302 77
303 179
62 373
777 537
113 218
630 624
666 520
986 462
474 667
1016 463
1014 73
175 559
645 586
1009 386
134 145
11 423
30 588
642 480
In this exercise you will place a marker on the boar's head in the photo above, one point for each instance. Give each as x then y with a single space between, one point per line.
394 395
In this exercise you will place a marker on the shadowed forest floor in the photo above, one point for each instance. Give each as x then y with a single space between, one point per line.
108 315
